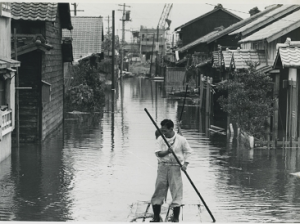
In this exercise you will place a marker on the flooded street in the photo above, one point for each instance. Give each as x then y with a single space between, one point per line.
94 168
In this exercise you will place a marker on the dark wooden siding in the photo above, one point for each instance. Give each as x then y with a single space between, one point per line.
29 76
52 72
284 75
206 25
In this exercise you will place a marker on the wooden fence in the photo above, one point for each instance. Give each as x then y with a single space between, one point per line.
174 79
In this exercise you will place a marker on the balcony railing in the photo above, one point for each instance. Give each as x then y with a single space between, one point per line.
6 122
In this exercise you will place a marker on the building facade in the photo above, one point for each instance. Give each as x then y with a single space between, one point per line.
7 83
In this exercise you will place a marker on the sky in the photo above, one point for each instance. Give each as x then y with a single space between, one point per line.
148 13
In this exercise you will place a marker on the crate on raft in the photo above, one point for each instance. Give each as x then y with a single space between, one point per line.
141 211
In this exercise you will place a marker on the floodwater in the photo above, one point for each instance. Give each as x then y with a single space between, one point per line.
93 168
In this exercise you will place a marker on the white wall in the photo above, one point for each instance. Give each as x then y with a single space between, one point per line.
5 147
5 52
5 33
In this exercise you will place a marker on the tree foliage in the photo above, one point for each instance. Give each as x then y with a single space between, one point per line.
107 43
86 92
249 102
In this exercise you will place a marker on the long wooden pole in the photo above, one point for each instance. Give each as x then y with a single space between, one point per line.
158 129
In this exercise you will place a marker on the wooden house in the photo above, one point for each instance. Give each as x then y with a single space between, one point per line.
266 39
220 39
7 83
87 35
204 24
227 38
238 52
287 60
38 34
87 39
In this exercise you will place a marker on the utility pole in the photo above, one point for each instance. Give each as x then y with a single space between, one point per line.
123 37
75 9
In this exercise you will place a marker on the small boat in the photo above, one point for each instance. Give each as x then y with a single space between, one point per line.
141 211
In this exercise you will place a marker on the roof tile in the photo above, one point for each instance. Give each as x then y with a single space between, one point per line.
35 11
267 18
280 27
239 24
290 56
202 39
241 57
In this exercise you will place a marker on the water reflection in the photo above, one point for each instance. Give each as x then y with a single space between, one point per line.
95 166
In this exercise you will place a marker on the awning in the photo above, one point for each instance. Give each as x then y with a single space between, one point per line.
8 63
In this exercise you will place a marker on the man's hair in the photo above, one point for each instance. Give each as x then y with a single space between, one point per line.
168 123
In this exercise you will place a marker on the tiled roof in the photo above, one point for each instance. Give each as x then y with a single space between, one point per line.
267 18
241 23
86 34
36 11
276 29
198 41
206 14
290 56
289 53
240 57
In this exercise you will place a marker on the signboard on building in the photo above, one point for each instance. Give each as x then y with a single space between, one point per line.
5 9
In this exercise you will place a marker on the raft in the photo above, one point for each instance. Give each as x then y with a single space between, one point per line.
141 211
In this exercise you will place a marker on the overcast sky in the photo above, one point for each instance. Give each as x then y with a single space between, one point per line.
147 13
